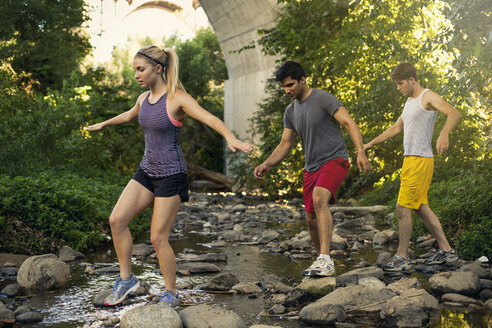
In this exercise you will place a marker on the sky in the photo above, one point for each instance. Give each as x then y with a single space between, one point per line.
112 23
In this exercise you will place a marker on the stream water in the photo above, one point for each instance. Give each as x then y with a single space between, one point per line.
72 307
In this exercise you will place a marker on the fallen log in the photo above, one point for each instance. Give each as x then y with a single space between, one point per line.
198 172
358 210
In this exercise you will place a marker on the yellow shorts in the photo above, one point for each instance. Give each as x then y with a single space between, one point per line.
416 176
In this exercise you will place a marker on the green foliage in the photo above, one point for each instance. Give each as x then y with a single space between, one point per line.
62 206
43 39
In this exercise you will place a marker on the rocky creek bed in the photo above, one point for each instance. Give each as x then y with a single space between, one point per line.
239 263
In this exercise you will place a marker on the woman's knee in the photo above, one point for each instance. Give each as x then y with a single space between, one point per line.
117 222
158 240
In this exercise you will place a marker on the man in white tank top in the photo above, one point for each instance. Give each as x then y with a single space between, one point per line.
417 124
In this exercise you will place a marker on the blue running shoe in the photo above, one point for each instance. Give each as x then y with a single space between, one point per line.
169 298
121 289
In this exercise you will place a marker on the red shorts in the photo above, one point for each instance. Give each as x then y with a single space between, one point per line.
329 176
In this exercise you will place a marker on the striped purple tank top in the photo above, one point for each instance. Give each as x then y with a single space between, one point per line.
163 156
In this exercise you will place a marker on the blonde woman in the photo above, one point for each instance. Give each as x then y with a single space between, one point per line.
161 178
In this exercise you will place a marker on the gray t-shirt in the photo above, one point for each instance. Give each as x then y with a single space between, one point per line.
312 119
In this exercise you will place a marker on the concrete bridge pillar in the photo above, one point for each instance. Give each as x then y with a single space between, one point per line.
235 23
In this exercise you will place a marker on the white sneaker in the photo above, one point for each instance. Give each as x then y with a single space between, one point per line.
321 267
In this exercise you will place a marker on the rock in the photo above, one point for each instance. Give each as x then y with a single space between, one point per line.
239 208
352 225
297 297
21 309
263 326
198 267
318 287
322 314
476 268
150 316
383 258
371 282
338 242
142 250
352 277
458 298
246 288
399 315
355 296
279 298
269 235
466 283
9 272
483 259
230 235
207 316
404 284
408 309
269 281
280 287
428 243
11 290
208 257
108 270
277 309
486 294
485 284
67 254
420 297
223 281
488 304
99 299
6 316
29 317
43 272
384 237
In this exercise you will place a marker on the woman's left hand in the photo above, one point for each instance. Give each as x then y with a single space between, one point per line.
236 144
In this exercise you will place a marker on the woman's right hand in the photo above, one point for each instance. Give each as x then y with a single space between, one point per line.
95 127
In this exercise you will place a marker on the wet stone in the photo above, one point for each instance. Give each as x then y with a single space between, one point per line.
108 269
9 272
11 290
29 317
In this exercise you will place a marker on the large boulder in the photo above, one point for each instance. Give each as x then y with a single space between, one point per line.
207 316
150 316
43 272
363 298
318 287
322 314
466 283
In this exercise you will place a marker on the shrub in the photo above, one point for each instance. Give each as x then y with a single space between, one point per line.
63 206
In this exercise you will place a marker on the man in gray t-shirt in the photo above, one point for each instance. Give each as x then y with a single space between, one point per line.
316 116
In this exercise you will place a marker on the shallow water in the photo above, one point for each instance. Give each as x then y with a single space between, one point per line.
72 307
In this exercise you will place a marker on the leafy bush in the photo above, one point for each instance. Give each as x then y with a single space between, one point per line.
63 206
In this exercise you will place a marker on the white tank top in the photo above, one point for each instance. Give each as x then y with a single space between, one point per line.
418 127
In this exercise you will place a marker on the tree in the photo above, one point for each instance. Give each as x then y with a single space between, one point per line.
43 40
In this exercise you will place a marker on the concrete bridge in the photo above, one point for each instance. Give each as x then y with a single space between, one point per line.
235 23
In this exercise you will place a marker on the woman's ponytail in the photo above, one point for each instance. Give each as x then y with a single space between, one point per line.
172 72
